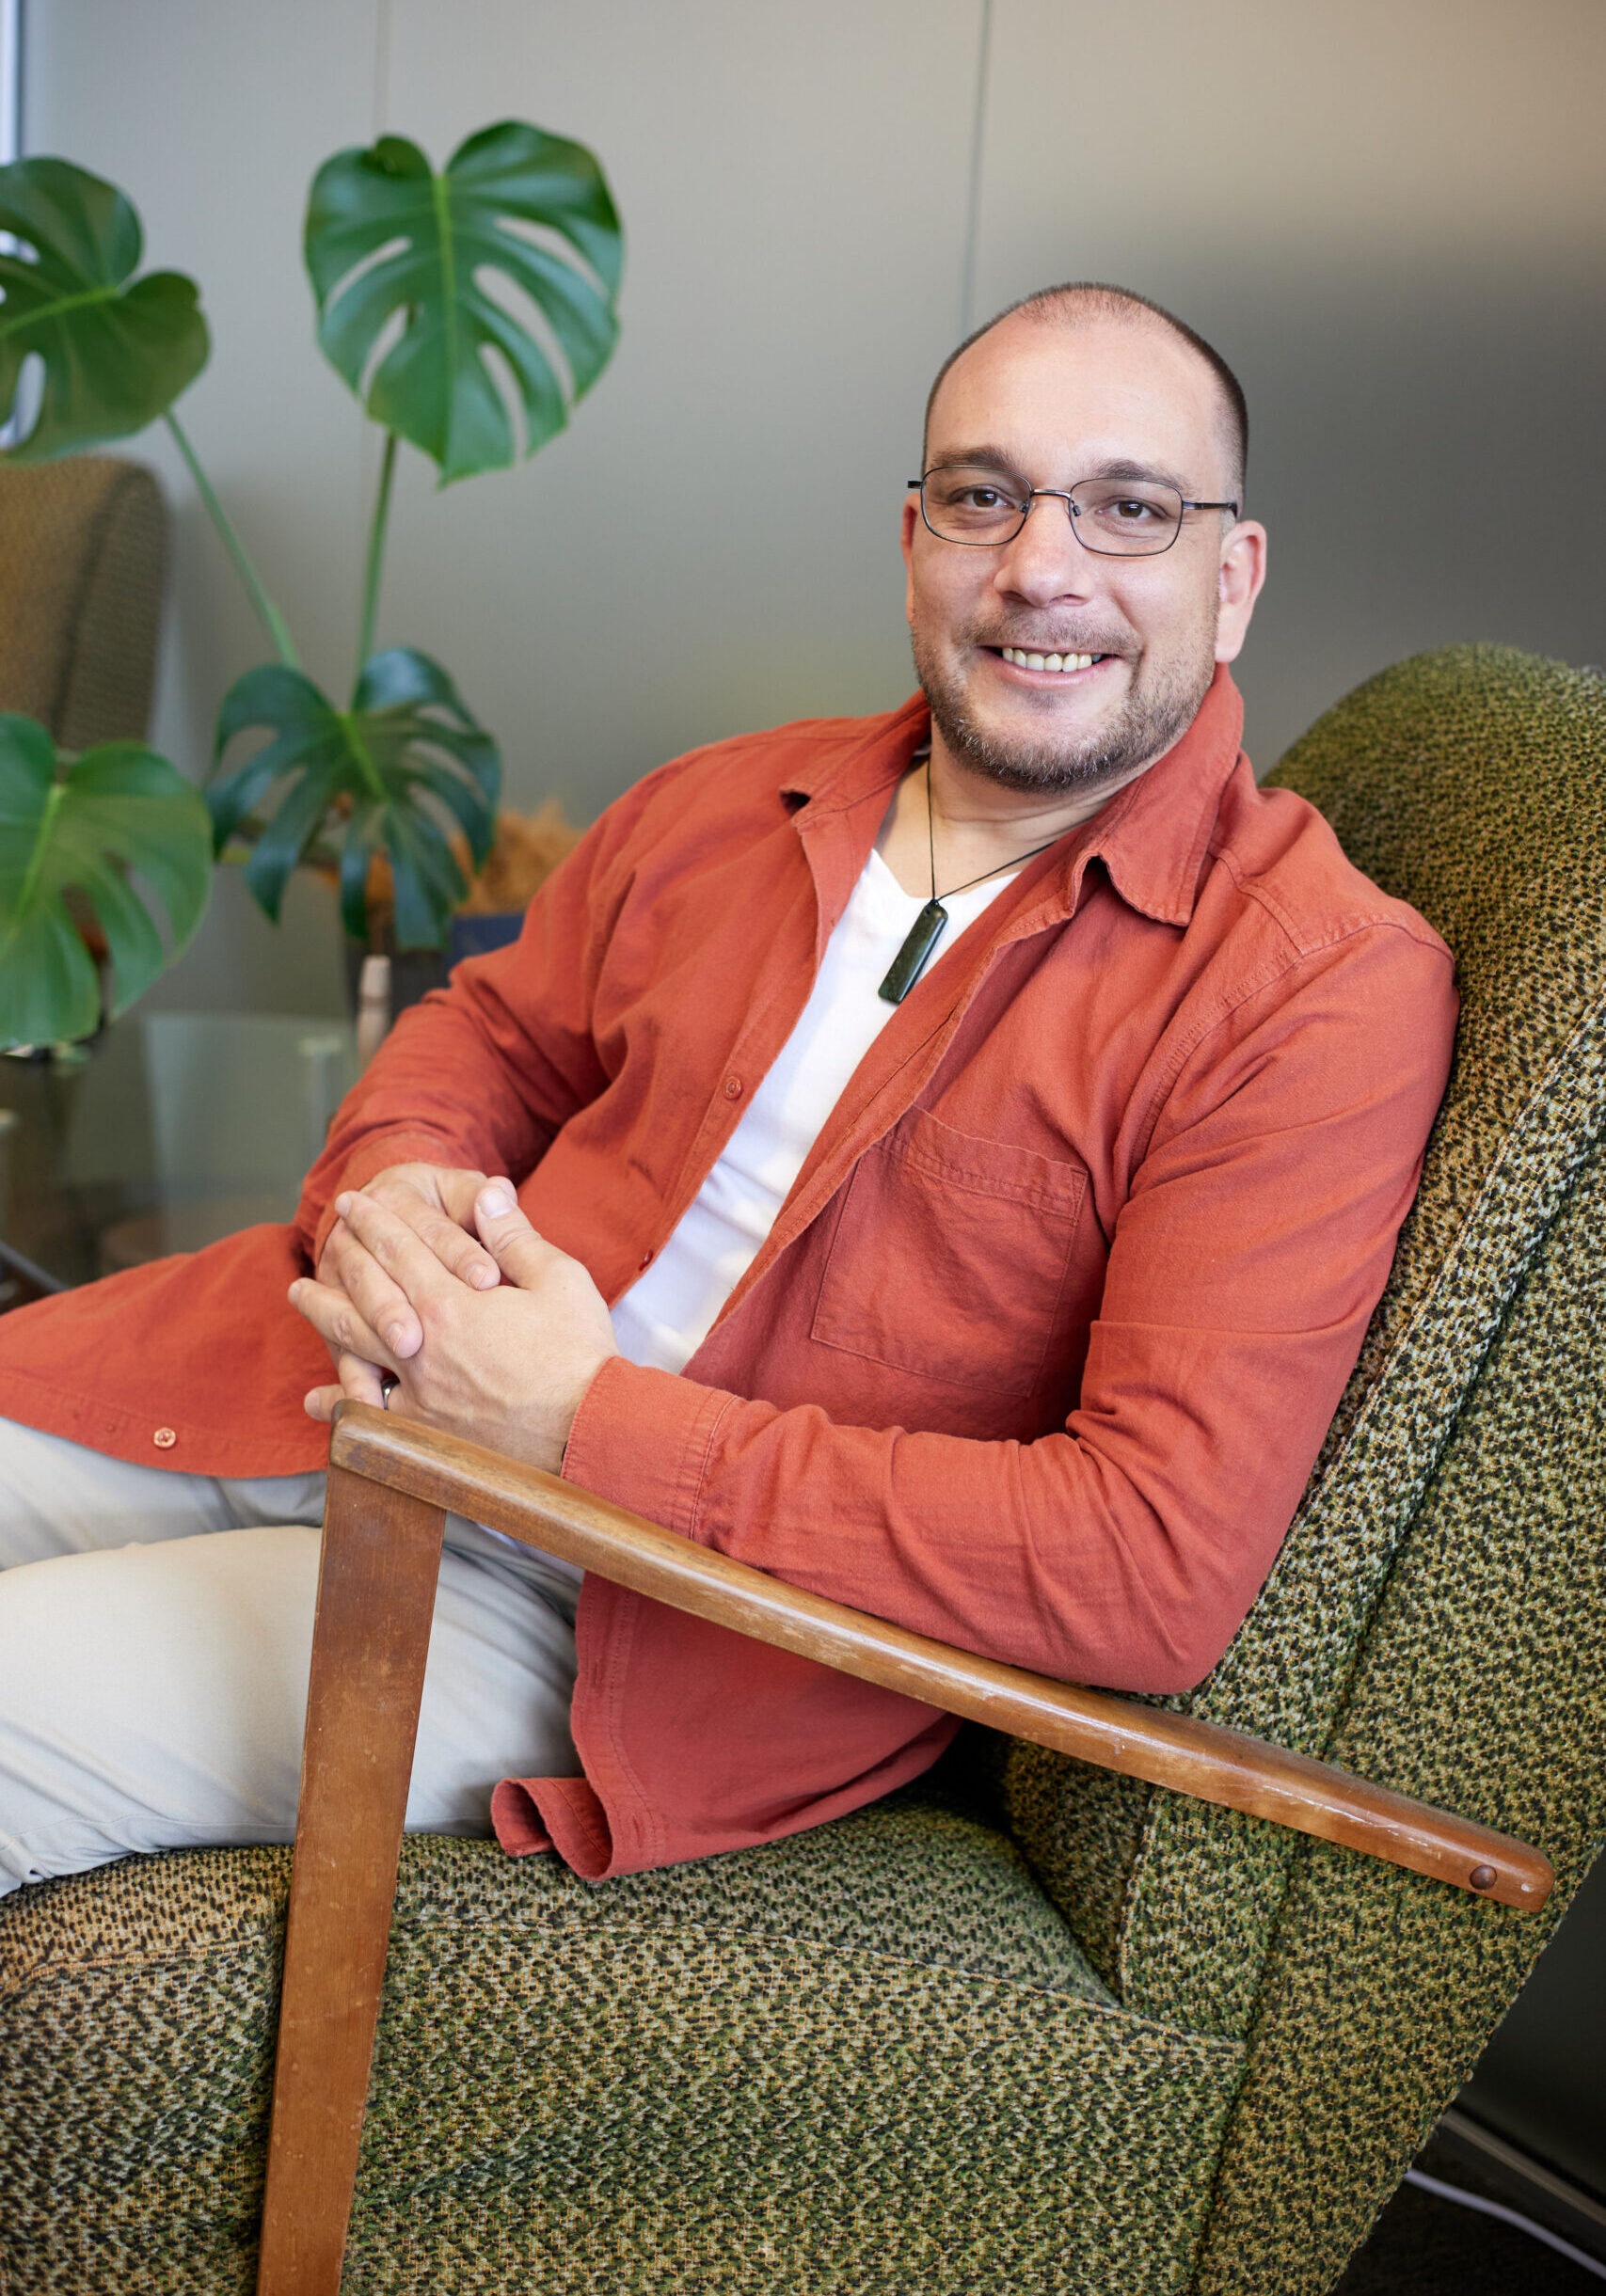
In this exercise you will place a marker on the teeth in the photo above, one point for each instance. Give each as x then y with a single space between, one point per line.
1023 660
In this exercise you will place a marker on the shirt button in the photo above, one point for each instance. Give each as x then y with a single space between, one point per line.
164 1438
732 1088
645 1262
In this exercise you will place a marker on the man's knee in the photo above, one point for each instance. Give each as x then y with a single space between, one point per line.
152 1696
59 1498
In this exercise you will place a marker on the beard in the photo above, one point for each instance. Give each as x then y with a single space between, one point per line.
1156 713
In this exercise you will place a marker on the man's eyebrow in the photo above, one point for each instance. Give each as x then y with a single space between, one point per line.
990 458
1117 466
1153 472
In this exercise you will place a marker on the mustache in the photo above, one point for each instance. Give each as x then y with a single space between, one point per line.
1039 642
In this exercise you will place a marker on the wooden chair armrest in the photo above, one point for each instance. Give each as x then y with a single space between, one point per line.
1204 1759
391 1484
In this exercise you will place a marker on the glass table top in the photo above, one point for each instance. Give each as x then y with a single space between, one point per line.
172 1129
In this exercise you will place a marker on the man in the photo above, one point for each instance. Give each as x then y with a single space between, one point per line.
1001 1284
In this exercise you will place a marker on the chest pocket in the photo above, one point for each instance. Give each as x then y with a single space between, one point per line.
950 1257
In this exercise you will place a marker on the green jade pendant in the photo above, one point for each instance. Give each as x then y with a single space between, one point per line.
921 938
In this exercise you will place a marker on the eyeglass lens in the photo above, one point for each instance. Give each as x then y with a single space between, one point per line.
1120 517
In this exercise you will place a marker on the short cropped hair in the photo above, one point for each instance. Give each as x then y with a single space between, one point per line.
1093 299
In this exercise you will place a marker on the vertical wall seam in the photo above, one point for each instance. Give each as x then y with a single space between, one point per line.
369 446
381 68
11 46
10 82
12 130
978 144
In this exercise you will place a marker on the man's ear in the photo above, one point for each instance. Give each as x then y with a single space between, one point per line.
910 520
1239 582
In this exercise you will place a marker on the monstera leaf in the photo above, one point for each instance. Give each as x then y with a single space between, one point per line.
406 739
388 239
83 823
116 356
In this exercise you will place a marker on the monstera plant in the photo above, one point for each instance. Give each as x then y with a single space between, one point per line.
78 826
115 352
399 256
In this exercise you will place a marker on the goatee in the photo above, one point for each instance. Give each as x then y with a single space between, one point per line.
1148 722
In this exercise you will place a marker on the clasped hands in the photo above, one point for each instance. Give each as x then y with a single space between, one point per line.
436 1276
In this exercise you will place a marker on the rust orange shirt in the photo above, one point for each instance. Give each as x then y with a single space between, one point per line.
1043 1342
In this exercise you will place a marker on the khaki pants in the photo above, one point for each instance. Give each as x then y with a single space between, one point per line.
155 1636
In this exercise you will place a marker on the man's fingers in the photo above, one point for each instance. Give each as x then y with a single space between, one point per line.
458 1192
399 1259
347 1265
437 1204
457 1250
362 1380
337 1322
379 1276
520 1253
441 1214
359 1382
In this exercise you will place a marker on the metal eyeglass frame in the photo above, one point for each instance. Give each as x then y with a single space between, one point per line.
1060 494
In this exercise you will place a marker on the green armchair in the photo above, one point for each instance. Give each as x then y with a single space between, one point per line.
1031 2023
82 567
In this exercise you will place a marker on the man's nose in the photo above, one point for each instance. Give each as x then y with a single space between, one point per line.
1045 559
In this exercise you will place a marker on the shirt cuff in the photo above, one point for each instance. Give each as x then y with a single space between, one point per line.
642 1438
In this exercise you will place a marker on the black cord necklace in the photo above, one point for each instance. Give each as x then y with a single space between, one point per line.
927 927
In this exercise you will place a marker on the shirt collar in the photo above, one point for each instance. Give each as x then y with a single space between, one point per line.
1151 836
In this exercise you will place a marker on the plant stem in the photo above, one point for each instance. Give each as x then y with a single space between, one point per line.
375 553
23 902
272 620
374 785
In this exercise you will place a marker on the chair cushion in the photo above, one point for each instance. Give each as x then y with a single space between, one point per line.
794 2067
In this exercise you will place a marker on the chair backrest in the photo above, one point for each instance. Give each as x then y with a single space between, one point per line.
1469 783
83 552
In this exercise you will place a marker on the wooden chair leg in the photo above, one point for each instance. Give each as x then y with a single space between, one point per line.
377 1585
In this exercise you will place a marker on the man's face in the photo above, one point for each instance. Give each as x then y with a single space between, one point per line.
1055 405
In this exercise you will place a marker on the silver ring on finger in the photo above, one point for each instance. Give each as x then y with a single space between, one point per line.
388 1383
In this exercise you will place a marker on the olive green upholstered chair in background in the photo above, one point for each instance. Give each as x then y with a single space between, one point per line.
83 561
1028 2025
83 556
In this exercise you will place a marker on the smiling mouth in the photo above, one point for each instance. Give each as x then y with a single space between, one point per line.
1019 658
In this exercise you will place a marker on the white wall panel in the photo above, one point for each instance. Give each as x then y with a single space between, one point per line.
1350 129
714 542
1389 219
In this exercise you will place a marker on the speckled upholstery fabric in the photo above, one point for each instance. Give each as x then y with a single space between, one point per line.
756 2073
1141 2046
1480 1687
82 557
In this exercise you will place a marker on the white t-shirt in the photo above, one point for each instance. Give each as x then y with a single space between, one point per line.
667 1313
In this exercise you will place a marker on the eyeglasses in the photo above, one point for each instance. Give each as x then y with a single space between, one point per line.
970 503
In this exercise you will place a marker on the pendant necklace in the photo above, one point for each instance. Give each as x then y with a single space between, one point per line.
927 929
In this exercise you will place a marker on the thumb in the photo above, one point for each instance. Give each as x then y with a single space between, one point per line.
507 1235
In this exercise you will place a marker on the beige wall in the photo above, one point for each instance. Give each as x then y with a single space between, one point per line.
1388 216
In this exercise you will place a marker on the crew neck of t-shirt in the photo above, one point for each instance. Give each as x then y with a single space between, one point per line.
963 909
